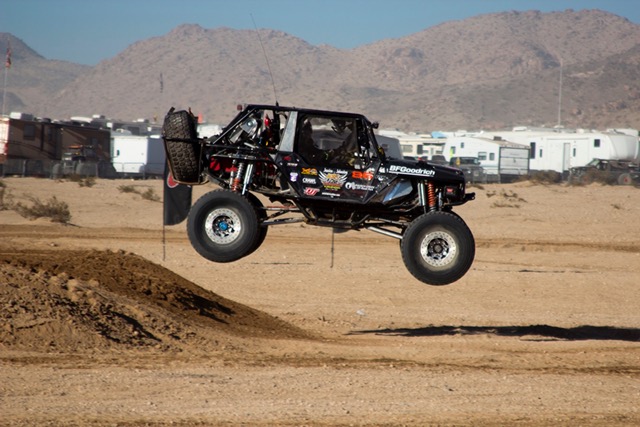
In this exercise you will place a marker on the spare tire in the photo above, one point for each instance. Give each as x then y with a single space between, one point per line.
180 135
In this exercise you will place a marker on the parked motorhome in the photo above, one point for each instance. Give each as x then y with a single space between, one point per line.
137 156
32 146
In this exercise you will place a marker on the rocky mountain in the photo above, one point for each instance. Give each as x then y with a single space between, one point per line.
489 71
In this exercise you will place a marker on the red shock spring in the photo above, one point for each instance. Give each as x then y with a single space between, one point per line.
237 180
431 195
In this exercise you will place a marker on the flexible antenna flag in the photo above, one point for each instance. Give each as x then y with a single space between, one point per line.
273 83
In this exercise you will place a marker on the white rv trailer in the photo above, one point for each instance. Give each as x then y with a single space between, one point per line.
391 146
133 127
501 160
137 156
206 130
561 149
416 145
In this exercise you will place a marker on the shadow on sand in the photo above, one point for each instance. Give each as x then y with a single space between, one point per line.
533 332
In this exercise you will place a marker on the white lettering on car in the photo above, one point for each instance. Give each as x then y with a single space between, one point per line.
411 171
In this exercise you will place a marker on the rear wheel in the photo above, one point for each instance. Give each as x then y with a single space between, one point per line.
223 226
438 248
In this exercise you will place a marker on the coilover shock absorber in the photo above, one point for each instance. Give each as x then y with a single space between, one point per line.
236 182
431 197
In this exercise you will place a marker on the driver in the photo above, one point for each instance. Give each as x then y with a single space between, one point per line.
307 146
345 153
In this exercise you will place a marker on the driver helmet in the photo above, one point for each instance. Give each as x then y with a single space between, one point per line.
339 125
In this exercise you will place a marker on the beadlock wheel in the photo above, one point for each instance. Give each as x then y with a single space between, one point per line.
438 249
223 226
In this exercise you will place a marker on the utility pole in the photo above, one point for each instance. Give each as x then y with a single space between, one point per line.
560 97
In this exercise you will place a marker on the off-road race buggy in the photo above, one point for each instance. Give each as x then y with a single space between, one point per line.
322 168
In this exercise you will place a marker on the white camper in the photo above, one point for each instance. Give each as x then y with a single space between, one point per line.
561 149
137 156
206 130
501 160
391 146
416 145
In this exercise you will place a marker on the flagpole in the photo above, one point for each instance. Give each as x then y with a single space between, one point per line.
7 65
4 90
164 183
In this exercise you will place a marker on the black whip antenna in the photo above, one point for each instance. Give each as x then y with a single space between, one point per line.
273 83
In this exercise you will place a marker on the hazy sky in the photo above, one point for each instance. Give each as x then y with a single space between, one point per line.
88 31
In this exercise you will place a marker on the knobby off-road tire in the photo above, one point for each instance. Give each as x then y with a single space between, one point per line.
262 215
438 248
183 149
223 226
625 179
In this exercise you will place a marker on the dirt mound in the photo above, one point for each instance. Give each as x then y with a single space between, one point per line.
85 300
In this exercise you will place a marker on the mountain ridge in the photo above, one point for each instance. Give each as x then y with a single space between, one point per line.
488 71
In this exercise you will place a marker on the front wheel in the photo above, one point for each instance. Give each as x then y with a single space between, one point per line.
262 216
223 226
438 248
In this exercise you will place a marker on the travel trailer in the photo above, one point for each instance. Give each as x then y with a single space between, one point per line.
133 127
561 149
391 146
206 130
137 156
415 145
501 160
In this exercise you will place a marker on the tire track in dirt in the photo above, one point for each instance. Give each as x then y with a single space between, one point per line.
61 231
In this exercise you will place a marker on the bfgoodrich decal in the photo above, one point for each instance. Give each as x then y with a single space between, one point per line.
406 170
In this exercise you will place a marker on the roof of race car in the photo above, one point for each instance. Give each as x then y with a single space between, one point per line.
302 110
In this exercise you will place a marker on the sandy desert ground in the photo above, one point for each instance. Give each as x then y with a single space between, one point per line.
111 321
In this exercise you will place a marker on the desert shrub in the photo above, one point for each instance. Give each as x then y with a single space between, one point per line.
507 199
504 204
148 194
56 210
594 175
545 177
88 181
83 181
3 193
127 189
